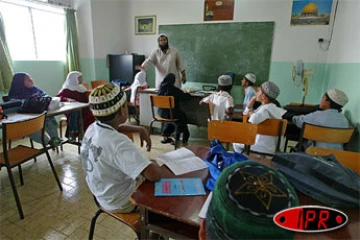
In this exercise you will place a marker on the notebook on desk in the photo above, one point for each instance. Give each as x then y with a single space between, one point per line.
179 187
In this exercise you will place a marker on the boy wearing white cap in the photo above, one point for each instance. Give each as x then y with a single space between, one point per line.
111 162
247 83
267 94
166 60
329 116
222 102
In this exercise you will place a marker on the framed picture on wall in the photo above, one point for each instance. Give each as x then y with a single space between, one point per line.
145 25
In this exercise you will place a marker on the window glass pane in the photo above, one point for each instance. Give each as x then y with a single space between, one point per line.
18 31
49 34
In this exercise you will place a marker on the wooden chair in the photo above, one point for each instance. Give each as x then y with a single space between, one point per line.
346 158
233 132
302 104
272 127
165 102
5 98
317 133
130 219
20 154
96 83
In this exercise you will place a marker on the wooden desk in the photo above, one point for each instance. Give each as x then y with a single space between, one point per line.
196 114
177 217
66 108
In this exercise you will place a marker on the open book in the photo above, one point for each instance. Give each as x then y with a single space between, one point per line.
182 161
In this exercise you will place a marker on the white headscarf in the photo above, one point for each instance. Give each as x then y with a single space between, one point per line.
139 81
72 82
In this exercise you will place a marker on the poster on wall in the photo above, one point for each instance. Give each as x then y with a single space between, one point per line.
218 10
311 12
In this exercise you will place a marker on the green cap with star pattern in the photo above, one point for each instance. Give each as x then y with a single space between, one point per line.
245 199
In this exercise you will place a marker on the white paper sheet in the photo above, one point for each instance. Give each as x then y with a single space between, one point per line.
203 211
182 161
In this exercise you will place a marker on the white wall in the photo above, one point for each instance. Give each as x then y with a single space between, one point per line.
345 44
290 42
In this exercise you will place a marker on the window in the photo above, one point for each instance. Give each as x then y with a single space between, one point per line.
34 32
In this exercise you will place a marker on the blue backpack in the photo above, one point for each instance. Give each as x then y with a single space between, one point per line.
218 160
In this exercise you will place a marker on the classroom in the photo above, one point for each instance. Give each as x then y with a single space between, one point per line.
108 27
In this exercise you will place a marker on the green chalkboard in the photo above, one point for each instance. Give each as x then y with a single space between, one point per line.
211 49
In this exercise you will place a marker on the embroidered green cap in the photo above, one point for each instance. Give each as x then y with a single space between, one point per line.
246 197
106 99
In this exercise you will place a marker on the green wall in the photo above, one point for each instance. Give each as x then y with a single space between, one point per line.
47 75
50 75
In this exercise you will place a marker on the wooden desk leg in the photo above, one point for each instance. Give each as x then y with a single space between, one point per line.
81 129
144 221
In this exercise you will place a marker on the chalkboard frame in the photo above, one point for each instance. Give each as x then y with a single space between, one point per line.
211 49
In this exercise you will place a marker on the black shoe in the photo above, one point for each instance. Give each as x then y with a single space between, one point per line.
168 140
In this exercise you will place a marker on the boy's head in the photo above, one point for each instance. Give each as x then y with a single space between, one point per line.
225 83
245 199
248 80
268 91
106 101
334 98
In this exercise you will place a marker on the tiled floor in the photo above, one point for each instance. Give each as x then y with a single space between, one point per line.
51 214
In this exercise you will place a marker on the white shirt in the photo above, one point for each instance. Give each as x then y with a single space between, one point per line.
111 163
164 63
221 102
249 93
263 143
327 118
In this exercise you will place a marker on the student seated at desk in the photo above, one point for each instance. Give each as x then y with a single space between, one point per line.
329 116
269 91
139 81
22 87
222 101
73 91
247 83
245 199
167 88
111 162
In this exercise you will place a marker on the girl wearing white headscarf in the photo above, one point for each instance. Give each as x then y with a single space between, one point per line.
73 82
73 91
139 81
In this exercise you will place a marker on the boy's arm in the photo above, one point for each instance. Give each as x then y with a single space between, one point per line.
144 135
152 172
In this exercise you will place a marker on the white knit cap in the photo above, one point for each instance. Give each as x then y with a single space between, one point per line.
224 80
250 77
338 96
106 99
162 35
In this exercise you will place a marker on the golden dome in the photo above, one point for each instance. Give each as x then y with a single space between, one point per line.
310 8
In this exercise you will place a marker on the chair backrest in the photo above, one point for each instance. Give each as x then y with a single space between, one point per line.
232 132
129 135
325 134
16 130
346 158
273 127
165 102
302 104
96 83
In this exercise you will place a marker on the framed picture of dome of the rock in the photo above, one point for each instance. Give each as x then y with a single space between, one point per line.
311 12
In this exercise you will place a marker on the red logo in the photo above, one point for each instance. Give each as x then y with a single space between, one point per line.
310 219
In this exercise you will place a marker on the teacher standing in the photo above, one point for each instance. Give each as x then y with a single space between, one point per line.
165 60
